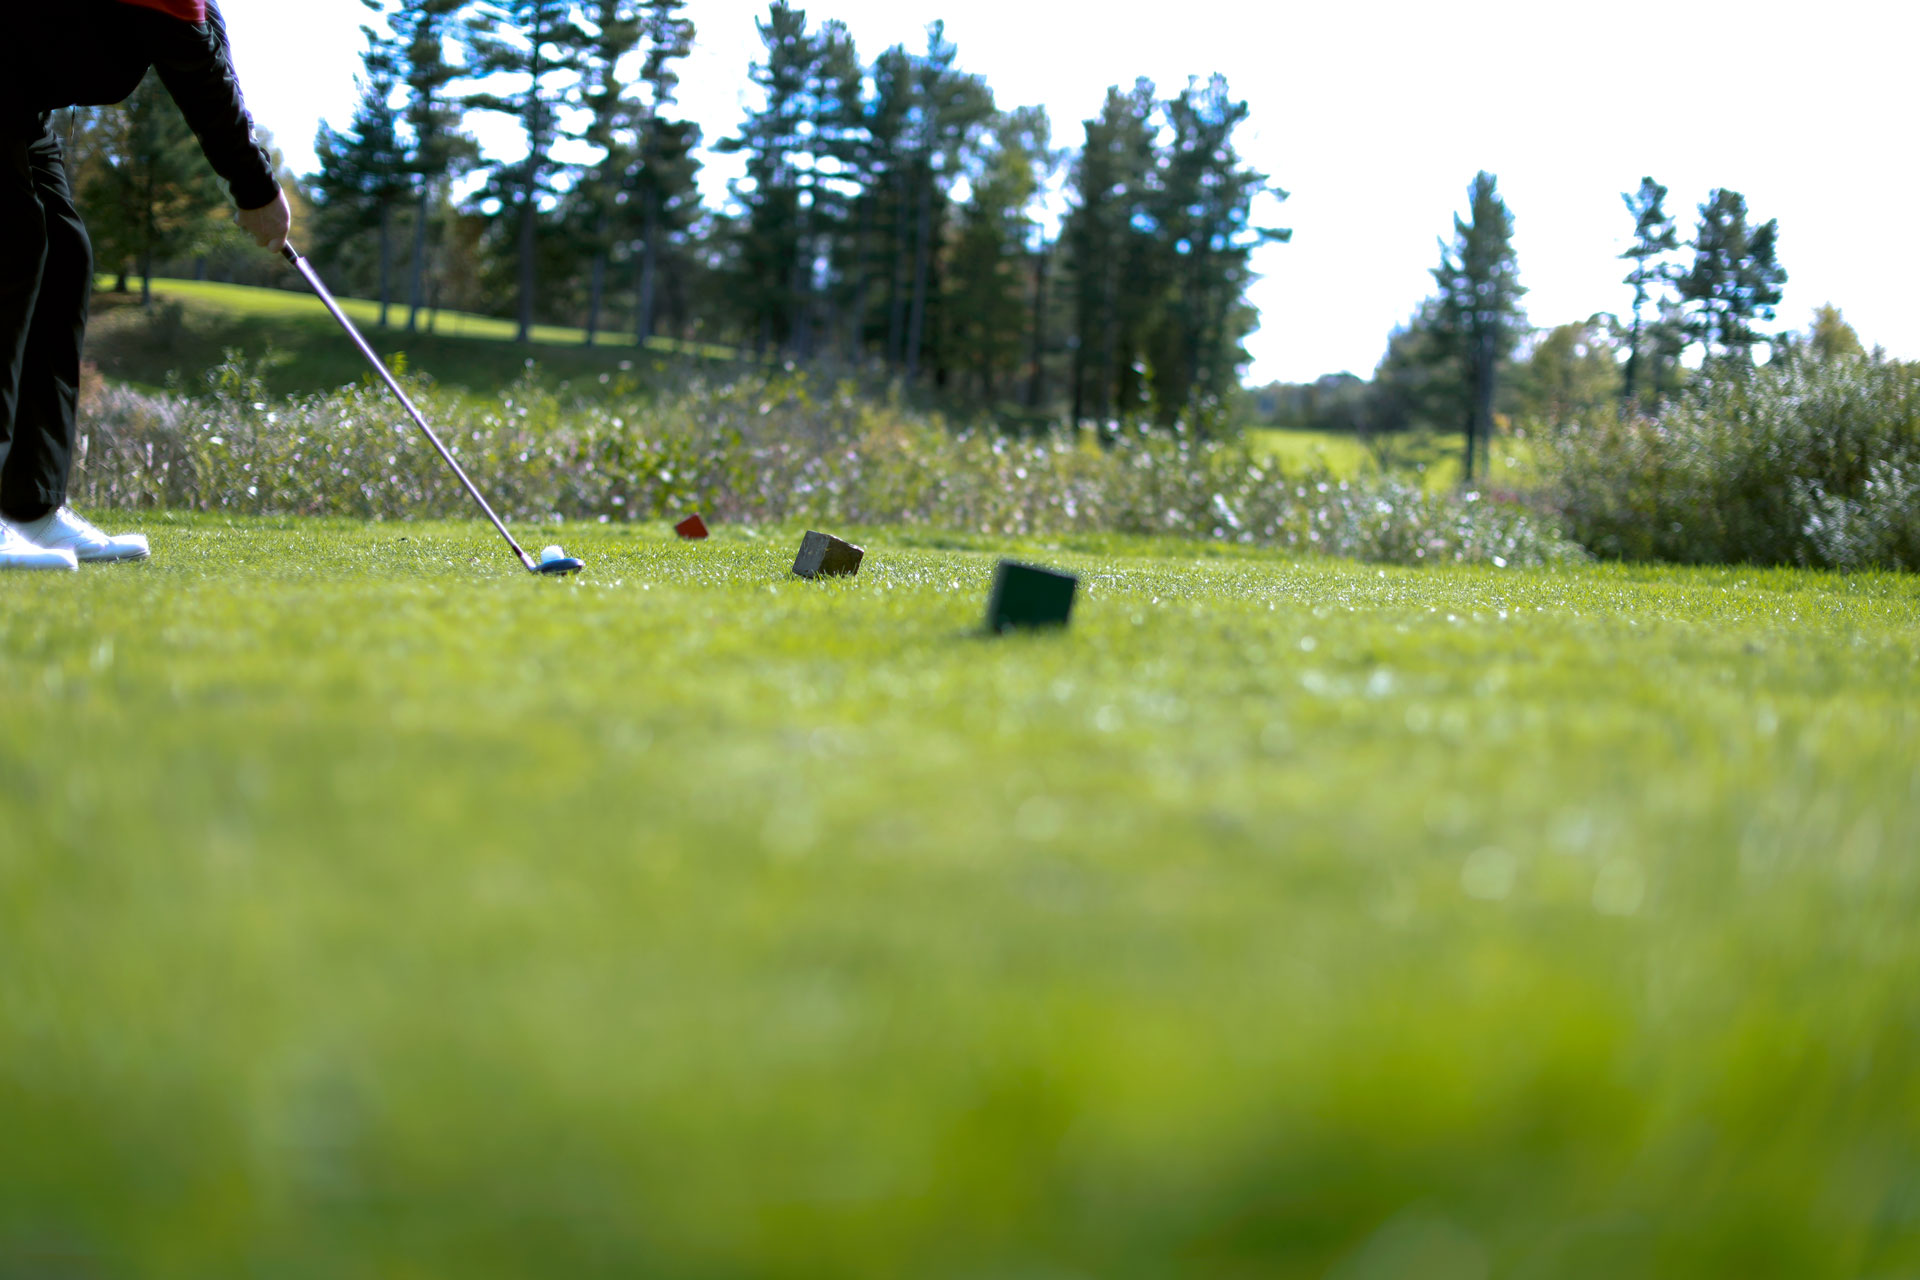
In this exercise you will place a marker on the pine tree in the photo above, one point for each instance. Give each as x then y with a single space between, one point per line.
365 171
800 147
1111 288
949 108
421 32
537 44
611 129
1480 293
1201 209
1735 278
1654 238
1159 244
664 182
772 138
884 245
987 290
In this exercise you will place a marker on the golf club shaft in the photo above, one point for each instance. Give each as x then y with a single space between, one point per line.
307 273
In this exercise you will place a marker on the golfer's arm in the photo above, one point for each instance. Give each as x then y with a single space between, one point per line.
197 67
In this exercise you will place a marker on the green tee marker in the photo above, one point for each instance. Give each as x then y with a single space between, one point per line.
1026 595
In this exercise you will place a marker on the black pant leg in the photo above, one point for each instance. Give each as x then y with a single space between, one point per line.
23 256
46 426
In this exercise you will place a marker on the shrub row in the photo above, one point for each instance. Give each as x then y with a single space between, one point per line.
1805 461
753 450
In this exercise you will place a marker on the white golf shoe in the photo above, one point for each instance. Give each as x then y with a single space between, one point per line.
20 552
64 531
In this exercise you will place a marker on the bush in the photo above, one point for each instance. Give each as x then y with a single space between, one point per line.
1806 461
752 451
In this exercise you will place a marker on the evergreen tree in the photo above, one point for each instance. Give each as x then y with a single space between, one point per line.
1735 278
988 294
1160 243
800 150
422 29
883 245
1201 209
365 171
772 139
611 129
831 190
537 46
1480 292
1654 239
1112 290
949 108
664 183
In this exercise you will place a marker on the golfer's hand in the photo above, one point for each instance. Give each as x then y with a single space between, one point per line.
269 224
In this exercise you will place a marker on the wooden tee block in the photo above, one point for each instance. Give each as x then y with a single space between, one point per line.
824 556
1026 595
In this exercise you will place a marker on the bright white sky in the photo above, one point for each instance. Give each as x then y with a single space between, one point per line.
1375 116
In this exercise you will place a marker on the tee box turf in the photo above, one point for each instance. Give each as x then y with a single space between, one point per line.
824 556
1026 595
692 527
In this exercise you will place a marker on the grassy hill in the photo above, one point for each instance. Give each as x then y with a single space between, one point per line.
193 324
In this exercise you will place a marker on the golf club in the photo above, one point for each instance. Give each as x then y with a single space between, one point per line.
550 562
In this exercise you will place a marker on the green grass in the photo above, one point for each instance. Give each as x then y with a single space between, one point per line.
306 351
412 916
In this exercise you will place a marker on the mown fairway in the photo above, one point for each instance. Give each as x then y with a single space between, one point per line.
412 916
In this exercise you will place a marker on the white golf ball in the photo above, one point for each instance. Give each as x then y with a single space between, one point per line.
549 554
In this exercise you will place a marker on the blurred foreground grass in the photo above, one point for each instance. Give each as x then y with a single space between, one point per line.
411 916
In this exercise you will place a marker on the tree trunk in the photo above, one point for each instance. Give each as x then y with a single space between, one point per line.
1104 392
1633 356
1480 424
386 260
417 270
1035 380
523 311
897 279
1079 376
800 290
597 280
649 270
146 242
922 253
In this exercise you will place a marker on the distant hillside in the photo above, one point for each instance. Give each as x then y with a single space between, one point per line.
193 324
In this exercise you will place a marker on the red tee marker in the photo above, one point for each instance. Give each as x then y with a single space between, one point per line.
692 527
194 11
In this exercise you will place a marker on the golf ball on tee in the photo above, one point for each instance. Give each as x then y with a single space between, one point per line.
549 554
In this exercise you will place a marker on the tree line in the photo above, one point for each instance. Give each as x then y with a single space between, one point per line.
891 214
1468 349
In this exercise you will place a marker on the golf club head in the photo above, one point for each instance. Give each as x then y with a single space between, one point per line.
560 567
